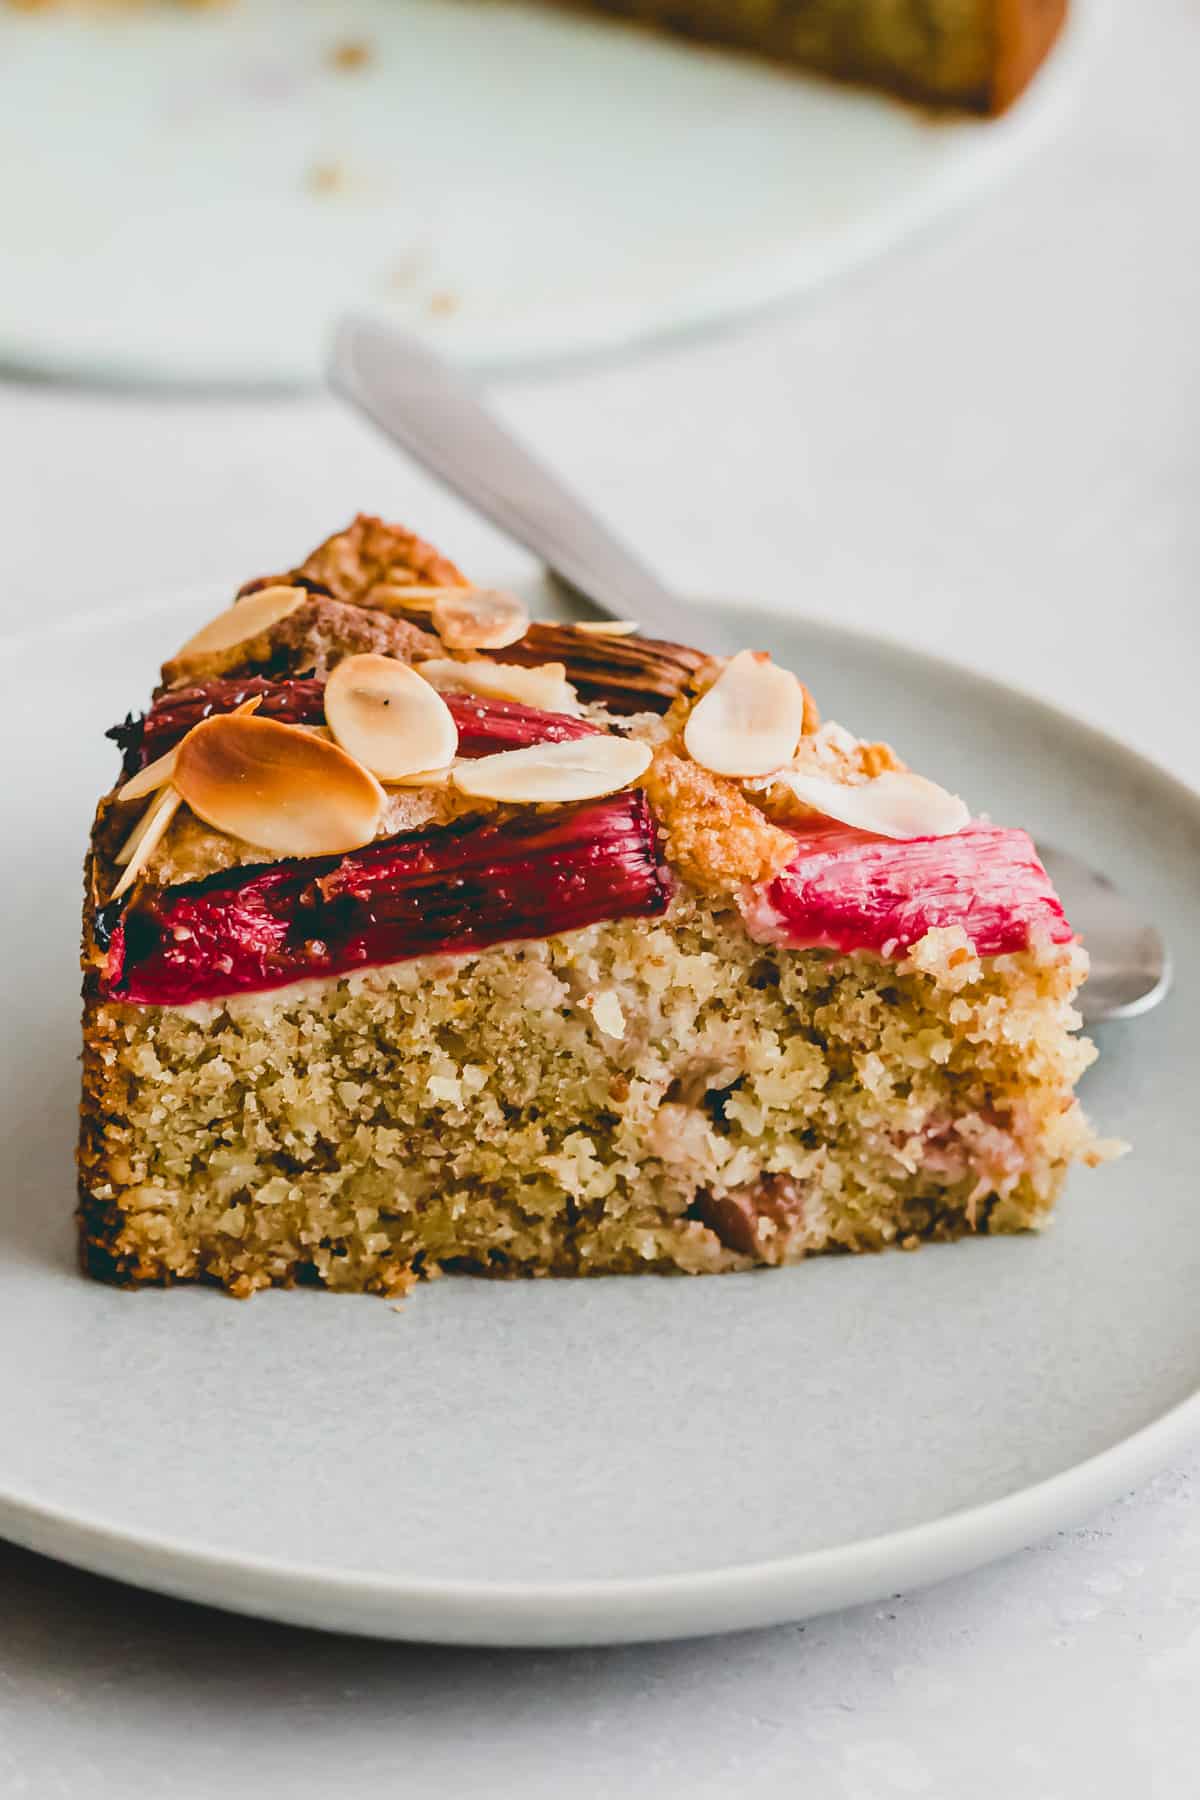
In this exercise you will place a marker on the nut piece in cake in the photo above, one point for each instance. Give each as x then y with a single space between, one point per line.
277 786
381 712
750 720
544 685
478 618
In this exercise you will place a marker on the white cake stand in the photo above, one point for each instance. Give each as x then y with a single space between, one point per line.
190 194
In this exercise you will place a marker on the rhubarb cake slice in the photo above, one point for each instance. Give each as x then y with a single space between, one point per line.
418 936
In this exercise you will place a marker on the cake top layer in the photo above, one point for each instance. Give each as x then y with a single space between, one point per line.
845 890
371 693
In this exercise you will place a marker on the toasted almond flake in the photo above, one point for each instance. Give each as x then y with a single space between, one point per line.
607 627
606 1010
145 838
896 804
155 775
545 685
244 620
391 721
750 720
479 618
580 769
414 590
129 848
436 778
404 600
277 787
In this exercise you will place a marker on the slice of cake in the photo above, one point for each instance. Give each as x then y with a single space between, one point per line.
421 937
977 55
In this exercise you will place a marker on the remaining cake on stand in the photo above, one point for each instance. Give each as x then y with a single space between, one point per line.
418 936
976 55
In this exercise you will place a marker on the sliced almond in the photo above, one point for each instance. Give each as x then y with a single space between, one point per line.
545 686
155 775
750 720
244 620
277 787
130 847
580 769
896 804
145 838
416 590
434 778
388 718
404 600
606 627
478 618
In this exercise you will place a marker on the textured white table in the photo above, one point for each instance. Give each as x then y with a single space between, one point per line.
988 445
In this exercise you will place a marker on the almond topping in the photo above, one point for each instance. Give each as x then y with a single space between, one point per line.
580 769
277 787
144 839
244 620
896 804
545 686
434 778
155 775
478 618
387 718
409 602
606 627
750 720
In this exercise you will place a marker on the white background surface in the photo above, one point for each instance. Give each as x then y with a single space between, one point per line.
988 445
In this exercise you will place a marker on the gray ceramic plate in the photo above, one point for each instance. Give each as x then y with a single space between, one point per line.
550 1462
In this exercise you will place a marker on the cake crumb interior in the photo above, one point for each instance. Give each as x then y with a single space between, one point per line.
472 1112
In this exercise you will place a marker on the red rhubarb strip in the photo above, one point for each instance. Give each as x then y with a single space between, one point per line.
487 725
848 891
483 725
456 888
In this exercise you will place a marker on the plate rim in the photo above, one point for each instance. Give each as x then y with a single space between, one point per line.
642 1609
728 1598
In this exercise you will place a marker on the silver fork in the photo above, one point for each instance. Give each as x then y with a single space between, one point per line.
423 404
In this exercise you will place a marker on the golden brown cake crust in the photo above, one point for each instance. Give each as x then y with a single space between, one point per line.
370 556
712 834
1025 34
